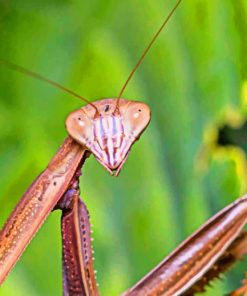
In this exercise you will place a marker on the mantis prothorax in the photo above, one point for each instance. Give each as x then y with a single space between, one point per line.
108 128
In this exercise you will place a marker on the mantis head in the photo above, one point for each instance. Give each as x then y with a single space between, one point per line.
108 129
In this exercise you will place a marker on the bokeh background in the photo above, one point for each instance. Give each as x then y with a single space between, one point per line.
177 176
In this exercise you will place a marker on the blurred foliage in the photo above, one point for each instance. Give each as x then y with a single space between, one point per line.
176 176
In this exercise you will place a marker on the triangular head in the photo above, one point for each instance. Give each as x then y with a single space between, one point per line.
108 128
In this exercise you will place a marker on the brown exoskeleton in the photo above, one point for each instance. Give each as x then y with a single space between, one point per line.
107 129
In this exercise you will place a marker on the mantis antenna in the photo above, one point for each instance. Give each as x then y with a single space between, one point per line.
145 52
44 79
25 71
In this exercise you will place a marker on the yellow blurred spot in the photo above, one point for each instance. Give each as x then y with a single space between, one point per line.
233 117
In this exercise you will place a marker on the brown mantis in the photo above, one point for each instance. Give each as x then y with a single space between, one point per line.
236 210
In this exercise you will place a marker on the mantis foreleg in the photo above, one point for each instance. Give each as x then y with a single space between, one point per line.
37 203
190 261
232 254
78 272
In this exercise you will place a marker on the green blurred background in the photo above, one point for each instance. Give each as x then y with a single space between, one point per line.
176 177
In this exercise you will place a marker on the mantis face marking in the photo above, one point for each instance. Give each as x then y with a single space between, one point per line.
110 133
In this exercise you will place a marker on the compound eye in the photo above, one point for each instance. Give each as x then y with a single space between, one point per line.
136 118
80 127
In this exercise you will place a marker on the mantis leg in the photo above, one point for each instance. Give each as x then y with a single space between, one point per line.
37 203
78 272
195 259
233 253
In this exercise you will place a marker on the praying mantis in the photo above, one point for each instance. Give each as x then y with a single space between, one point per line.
111 108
